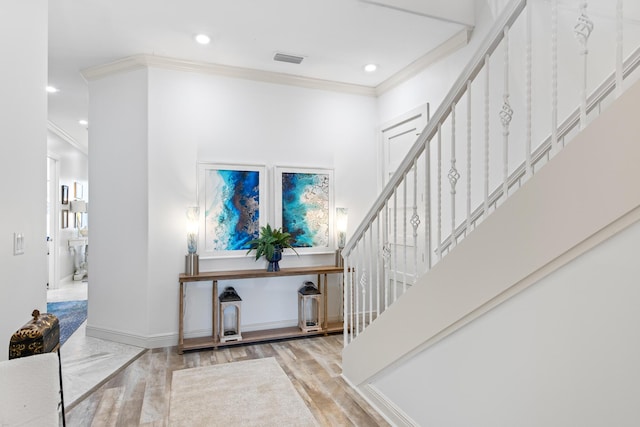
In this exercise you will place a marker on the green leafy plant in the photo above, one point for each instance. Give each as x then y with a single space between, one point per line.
270 240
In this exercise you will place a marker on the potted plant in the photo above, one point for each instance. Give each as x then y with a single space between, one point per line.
270 245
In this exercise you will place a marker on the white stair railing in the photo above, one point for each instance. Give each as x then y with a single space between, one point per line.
419 218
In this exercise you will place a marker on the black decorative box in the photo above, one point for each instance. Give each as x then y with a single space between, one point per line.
40 335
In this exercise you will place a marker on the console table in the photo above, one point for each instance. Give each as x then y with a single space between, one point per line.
213 341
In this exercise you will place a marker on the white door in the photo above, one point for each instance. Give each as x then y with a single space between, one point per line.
398 136
406 258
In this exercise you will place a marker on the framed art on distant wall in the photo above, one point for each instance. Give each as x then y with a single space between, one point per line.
64 194
233 206
304 207
77 190
64 219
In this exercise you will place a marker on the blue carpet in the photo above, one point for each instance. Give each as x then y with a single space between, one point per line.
70 314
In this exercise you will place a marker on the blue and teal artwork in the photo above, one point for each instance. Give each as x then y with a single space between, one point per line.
232 209
305 208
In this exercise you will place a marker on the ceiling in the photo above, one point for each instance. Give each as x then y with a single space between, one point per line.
335 37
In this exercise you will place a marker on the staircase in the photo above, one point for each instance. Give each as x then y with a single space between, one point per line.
512 178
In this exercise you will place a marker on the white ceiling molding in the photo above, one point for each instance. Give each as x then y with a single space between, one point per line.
456 42
140 61
123 65
62 134
459 11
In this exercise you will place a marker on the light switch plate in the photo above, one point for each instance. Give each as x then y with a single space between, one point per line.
18 243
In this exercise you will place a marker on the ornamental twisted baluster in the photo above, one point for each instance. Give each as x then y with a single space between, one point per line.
415 220
453 175
582 30
506 114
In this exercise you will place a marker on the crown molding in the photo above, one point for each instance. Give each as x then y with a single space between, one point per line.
137 62
62 134
458 41
143 61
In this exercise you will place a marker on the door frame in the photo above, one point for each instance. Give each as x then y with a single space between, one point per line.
422 112
54 218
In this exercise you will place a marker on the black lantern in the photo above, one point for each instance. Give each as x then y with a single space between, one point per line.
310 315
229 312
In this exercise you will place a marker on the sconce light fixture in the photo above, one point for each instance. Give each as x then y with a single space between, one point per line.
192 259
78 207
341 228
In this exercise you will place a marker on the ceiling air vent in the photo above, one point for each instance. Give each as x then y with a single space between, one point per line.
283 57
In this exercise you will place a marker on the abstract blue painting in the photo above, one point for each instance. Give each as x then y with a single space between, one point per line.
306 207
232 208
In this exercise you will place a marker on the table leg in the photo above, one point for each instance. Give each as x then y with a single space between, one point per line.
214 313
181 320
326 303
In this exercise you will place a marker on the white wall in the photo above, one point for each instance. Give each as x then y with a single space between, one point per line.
118 171
23 150
564 352
198 117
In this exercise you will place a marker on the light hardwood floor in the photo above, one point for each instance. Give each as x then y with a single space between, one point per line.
139 394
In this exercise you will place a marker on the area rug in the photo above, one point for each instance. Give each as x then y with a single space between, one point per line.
246 393
70 314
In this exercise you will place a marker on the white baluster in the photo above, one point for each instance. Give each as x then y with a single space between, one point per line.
363 280
427 205
487 76
505 117
370 280
529 65
395 245
378 270
346 317
439 236
619 46
415 220
554 76
582 30
356 296
468 156
453 176
386 255
404 234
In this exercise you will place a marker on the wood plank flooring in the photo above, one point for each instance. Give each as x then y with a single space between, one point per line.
139 394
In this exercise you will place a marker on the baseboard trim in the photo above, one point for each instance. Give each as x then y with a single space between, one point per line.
154 341
383 406
171 339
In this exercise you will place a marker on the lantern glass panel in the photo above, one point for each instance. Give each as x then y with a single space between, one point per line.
230 317
311 311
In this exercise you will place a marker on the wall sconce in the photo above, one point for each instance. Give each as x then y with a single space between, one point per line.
78 207
192 259
341 228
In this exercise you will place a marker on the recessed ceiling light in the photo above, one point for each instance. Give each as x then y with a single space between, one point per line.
52 89
203 39
370 68
83 122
